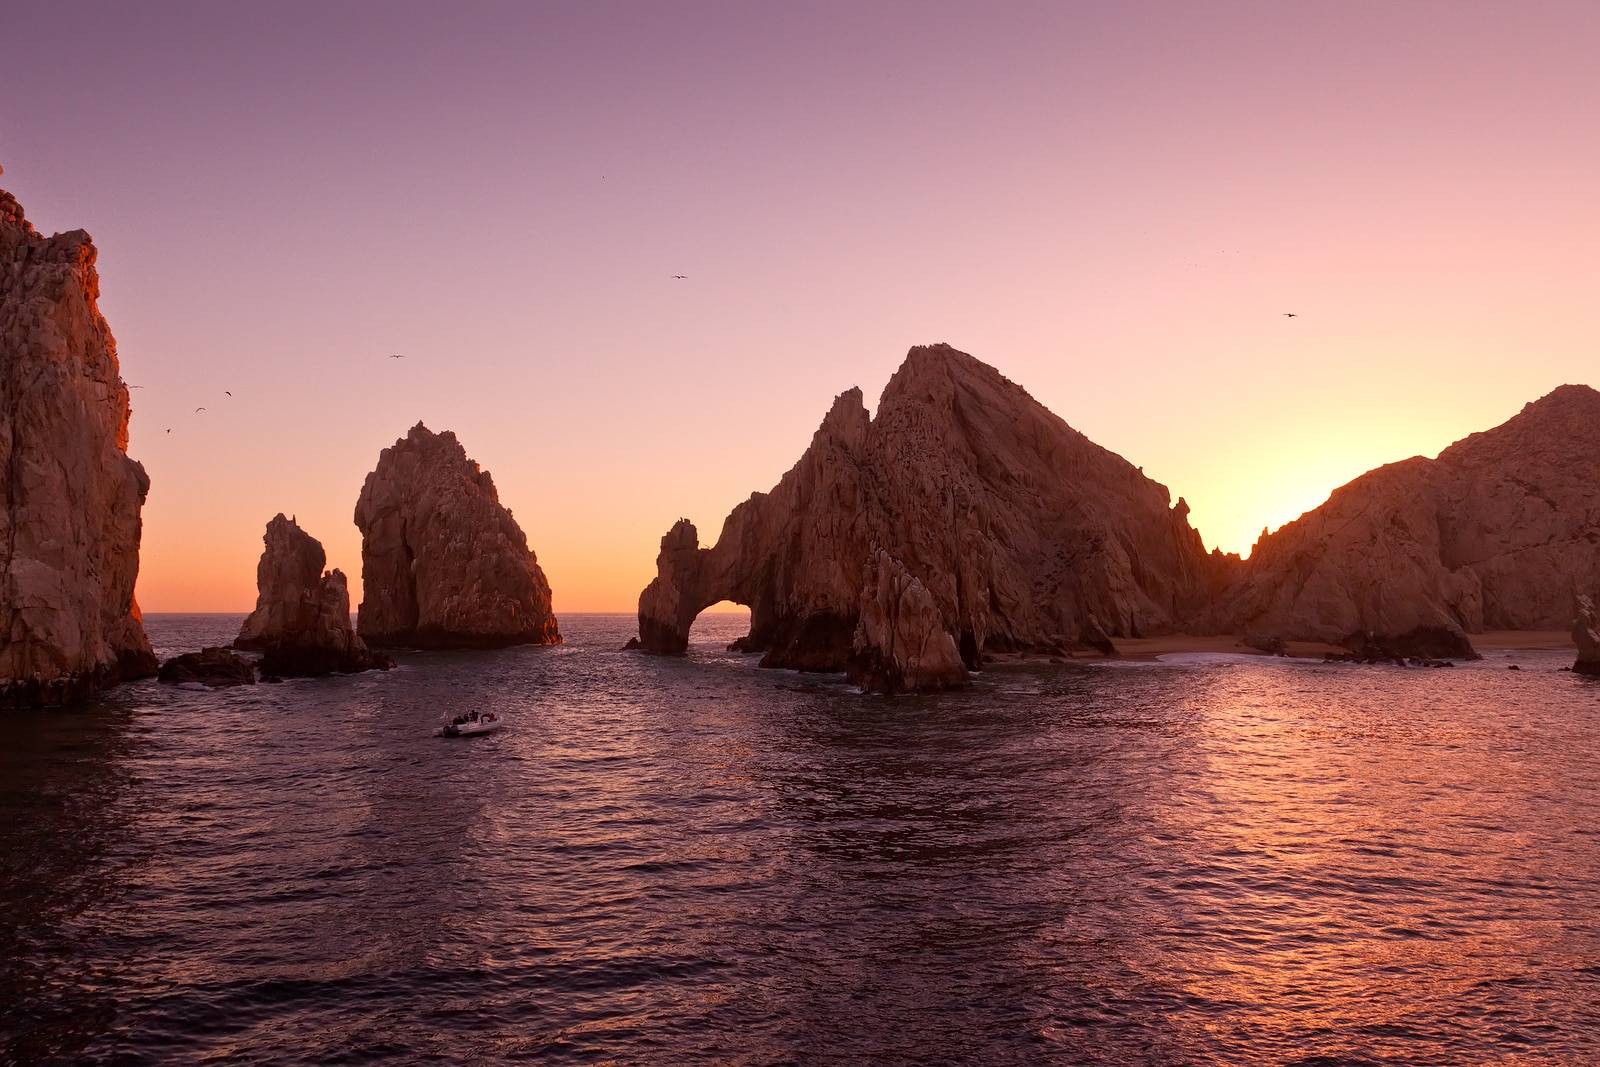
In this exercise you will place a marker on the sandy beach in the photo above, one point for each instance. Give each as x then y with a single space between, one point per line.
1152 647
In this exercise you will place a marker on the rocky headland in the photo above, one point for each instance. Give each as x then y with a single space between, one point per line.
443 563
963 518
1586 634
301 623
70 498
1413 557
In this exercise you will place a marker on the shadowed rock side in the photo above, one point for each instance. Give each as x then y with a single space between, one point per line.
1586 633
301 623
963 518
443 564
1413 556
217 668
69 495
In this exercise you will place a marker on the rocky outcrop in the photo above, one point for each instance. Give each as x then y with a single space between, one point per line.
301 623
1586 633
214 667
443 564
964 518
900 640
70 497
1416 555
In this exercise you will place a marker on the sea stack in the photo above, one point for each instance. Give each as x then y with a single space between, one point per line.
70 521
443 563
964 518
1586 633
301 623
1411 558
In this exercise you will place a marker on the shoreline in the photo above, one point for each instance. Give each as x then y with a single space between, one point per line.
1168 644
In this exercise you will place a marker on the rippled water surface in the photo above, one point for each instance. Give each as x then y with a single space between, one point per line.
664 860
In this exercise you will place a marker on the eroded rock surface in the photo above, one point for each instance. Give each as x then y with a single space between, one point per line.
70 497
1416 555
443 563
963 518
1586 632
301 623
900 640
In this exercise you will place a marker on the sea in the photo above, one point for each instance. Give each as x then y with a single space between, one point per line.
1210 859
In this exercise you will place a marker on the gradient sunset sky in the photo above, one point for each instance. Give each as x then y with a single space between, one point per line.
1114 203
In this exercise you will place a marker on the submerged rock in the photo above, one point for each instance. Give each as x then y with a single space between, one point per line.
443 563
1418 554
70 517
1586 632
215 667
301 623
963 518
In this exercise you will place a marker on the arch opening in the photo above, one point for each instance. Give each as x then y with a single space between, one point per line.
720 626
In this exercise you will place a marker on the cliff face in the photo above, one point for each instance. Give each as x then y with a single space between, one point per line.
70 497
443 563
301 623
1491 535
1521 510
963 518
1586 634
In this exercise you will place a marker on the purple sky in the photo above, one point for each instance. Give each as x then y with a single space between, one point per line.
1112 203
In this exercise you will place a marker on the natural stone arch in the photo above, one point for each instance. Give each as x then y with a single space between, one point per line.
962 518
688 581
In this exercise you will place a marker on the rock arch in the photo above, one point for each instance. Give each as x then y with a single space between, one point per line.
963 518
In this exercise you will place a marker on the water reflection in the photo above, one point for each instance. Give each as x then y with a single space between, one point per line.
67 853
695 859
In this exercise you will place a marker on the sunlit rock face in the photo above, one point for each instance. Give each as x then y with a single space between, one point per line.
443 564
301 623
1491 535
1586 634
70 517
963 518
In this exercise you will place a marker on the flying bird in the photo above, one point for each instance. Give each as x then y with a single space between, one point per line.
1291 315
226 393
397 357
169 429
681 276
198 410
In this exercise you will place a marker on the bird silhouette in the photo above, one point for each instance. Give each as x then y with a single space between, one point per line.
397 357
682 276
169 429
226 393
198 410
1290 315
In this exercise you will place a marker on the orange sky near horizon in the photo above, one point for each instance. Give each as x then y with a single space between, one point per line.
1111 203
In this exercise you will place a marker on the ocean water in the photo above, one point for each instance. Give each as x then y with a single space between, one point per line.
660 860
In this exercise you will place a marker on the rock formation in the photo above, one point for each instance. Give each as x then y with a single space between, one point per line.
69 524
1414 556
443 564
301 623
214 667
901 641
1586 632
964 518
